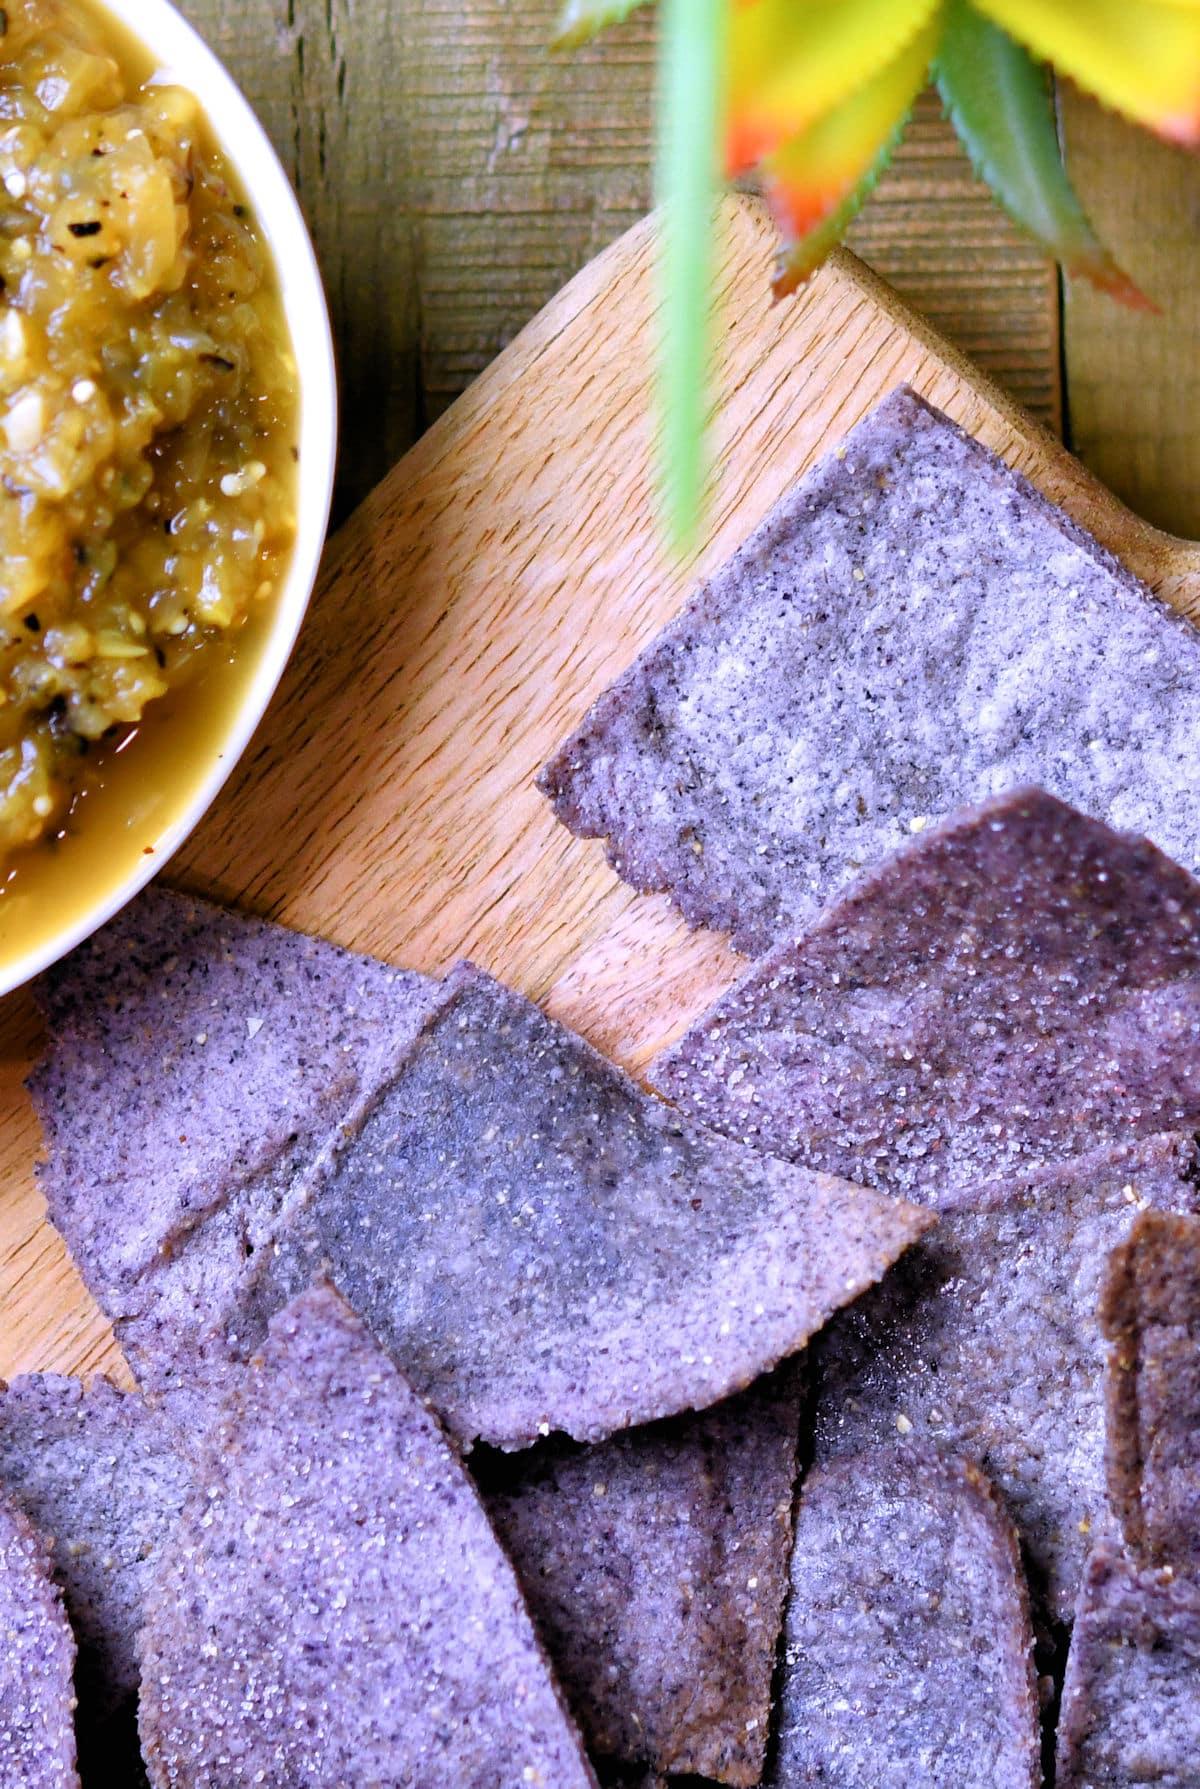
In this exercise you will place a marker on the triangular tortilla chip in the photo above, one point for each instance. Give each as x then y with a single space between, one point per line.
909 1654
1020 986
984 1340
543 1246
654 1565
333 1607
37 1659
1150 1313
913 628
199 1057
1130 1714
539 1244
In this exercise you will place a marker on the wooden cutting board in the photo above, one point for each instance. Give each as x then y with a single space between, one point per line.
467 615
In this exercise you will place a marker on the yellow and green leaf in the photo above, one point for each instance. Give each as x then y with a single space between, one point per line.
799 259
792 61
1142 57
581 20
819 179
999 102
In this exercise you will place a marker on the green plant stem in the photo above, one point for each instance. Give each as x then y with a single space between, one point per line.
691 57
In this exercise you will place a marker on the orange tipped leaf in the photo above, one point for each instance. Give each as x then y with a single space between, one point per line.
798 260
818 180
792 62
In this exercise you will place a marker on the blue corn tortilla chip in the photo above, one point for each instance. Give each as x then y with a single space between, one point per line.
908 1649
1130 1714
199 1059
98 1471
654 1565
912 629
984 1340
539 1244
333 1607
545 1247
37 1659
1020 986
1150 1313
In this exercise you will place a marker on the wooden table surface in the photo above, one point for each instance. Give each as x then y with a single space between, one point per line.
456 172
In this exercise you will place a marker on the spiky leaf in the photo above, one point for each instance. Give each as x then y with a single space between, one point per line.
793 61
1142 57
799 260
999 101
816 183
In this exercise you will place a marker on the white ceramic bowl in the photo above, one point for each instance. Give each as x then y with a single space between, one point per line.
184 58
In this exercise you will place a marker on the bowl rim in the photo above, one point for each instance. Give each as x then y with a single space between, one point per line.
183 56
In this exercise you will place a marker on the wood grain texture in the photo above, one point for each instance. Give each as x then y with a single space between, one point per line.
456 172
935 233
1134 380
466 616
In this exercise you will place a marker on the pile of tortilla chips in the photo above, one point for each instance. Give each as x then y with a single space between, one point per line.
503 1423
